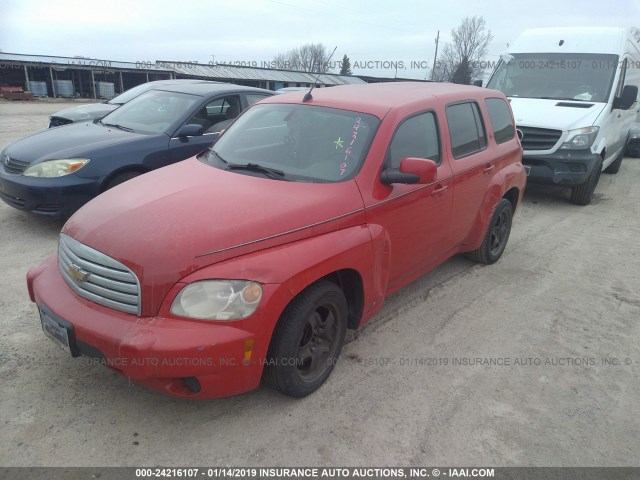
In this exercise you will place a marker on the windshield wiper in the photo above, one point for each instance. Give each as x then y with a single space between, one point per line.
115 125
254 167
222 160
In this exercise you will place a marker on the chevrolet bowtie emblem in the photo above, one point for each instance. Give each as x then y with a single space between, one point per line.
77 273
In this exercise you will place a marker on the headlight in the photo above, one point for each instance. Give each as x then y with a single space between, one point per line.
580 138
218 300
55 168
635 134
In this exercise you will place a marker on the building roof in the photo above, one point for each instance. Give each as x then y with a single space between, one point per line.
221 71
188 69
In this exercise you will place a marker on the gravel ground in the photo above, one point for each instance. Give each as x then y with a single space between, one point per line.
559 311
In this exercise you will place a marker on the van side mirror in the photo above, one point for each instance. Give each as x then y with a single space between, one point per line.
191 130
412 170
627 98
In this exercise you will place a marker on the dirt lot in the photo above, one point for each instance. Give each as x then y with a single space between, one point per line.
564 302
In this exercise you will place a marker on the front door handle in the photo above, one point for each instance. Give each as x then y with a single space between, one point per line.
439 191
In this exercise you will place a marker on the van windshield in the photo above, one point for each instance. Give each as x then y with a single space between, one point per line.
558 76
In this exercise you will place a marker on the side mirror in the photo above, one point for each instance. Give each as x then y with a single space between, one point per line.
628 98
191 130
412 170
477 83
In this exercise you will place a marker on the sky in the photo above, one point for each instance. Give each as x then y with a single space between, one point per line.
380 38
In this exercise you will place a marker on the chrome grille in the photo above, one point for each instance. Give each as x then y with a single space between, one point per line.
11 165
98 277
539 138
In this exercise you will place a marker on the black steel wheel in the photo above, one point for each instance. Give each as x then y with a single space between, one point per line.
495 240
307 340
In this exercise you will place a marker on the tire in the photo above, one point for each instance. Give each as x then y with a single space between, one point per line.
495 240
121 178
311 332
583 194
614 167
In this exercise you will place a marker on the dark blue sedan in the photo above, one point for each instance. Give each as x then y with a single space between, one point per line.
56 171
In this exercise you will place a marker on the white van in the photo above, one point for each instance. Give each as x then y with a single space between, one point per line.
573 92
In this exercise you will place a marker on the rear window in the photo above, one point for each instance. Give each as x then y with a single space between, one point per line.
501 121
466 129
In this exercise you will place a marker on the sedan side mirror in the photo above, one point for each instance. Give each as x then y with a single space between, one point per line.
627 98
191 130
412 170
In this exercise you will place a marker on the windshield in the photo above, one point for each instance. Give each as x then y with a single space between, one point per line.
124 97
302 142
152 112
560 76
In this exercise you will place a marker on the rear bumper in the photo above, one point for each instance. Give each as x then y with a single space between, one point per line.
563 167
162 353
55 197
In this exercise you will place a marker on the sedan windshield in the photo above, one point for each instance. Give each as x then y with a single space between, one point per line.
558 76
299 142
152 112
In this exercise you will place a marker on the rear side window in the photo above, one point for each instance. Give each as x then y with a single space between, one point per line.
466 129
416 137
500 117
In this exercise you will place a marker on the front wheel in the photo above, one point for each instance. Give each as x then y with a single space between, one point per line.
495 240
583 194
307 340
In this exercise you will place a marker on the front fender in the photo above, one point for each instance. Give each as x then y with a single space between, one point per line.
290 268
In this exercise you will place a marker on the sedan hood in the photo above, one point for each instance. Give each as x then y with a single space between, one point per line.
173 221
87 112
72 141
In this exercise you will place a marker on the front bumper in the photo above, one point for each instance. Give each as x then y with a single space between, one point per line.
563 167
55 197
163 353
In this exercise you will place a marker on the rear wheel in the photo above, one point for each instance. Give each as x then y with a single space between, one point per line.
307 340
583 194
495 240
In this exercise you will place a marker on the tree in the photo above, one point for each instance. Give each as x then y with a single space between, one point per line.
345 66
461 60
311 57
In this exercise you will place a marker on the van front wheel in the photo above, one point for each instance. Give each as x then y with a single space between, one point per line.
583 194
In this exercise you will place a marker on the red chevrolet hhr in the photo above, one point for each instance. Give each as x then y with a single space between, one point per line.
250 260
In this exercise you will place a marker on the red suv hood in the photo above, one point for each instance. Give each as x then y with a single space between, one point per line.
175 220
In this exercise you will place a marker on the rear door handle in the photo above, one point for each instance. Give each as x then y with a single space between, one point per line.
439 191
488 169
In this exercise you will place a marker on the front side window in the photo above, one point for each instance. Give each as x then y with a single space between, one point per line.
500 118
465 129
416 137
217 114
304 143
255 97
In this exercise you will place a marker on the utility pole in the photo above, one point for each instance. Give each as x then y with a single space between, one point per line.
435 56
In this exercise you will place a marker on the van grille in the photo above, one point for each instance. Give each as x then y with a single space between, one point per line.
539 138
98 277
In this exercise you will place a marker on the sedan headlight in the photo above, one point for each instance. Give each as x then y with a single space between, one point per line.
55 168
580 138
218 300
